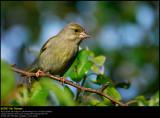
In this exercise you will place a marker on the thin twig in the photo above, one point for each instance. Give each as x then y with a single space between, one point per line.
78 91
85 97
105 86
86 77
29 74
91 98
12 65
102 89
132 101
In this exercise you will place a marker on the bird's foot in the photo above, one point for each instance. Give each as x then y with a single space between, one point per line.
38 73
47 73
63 80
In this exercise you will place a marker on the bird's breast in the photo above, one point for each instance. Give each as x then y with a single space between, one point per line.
63 58
67 53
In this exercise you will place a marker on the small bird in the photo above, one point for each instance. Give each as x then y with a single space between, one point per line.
59 52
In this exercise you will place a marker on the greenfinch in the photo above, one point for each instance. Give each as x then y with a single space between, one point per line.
59 52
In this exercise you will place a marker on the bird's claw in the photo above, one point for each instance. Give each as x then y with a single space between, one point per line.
38 73
63 80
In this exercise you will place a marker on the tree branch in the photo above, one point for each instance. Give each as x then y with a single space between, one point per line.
78 91
99 92
105 86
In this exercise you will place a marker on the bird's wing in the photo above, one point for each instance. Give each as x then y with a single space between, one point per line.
45 46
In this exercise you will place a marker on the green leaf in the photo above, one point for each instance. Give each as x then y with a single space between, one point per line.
14 103
80 66
93 102
95 69
99 60
101 104
135 103
64 97
36 87
123 85
156 97
69 71
39 99
102 80
22 95
142 101
110 90
141 98
38 95
67 89
7 80
154 101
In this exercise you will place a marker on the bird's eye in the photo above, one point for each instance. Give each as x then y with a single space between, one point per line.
76 30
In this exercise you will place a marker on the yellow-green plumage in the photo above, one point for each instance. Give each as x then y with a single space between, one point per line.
59 52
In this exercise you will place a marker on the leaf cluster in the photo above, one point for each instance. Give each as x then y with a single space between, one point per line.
47 92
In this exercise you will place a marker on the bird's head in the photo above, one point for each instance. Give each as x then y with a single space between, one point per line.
74 32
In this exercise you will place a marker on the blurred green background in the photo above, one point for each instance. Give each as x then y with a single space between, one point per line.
127 33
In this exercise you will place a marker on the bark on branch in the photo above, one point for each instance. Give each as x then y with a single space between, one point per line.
65 81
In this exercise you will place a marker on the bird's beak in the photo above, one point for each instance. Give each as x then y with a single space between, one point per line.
83 35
